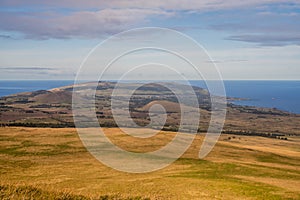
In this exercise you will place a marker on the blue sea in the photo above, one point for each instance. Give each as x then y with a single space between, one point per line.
284 95
8 87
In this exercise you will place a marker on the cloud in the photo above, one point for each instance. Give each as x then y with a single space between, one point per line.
269 40
6 37
153 4
37 19
37 72
267 26
83 23
265 33
26 68
227 61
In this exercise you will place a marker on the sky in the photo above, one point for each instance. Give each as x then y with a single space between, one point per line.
247 40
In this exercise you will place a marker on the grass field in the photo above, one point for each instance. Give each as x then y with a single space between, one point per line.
48 163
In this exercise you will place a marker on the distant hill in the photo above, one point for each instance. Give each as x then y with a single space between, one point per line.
53 108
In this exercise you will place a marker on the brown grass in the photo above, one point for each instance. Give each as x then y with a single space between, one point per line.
54 162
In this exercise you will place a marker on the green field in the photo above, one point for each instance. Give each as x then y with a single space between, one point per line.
48 163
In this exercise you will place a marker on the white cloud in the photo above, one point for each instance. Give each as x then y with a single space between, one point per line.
153 4
82 23
94 18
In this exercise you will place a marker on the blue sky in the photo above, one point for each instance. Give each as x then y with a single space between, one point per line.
246 39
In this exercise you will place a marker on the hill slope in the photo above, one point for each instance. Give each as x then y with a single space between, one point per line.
53 108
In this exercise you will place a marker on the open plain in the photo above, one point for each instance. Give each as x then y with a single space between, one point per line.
52 163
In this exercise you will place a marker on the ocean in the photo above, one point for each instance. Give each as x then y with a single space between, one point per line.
8 87
283 95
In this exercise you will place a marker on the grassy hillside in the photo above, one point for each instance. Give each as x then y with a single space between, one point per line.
52 163
53 108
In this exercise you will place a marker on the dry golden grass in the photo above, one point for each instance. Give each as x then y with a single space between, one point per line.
168 105
52 163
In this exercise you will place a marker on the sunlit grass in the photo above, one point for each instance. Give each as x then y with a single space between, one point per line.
52 164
